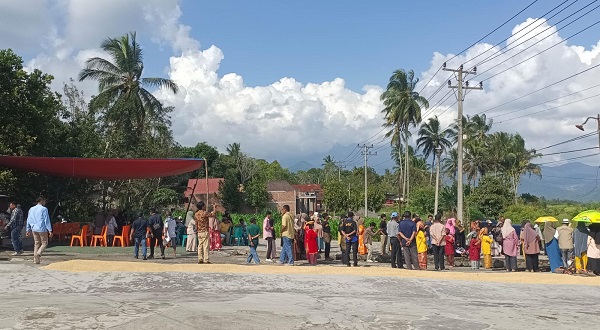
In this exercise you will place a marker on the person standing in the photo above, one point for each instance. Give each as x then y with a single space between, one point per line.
287 234
201 217
422 245
408 231
486 247
593 249
156 227
170 233
192 233
139 232
580 236
319 229
392 231
438 242
449 248
214 231
531 247
269 236
428 224
552 249
111 227
474 252
368 240
350 232
16 224
253 231
327 235
38 225
384 246
565 242
510 246
310 242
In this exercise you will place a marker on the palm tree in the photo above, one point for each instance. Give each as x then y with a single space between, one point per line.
432 137
402 108
518 162
329 164
450 164
121 86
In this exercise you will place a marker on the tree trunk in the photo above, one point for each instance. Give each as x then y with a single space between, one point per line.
400 171
432 167
406 164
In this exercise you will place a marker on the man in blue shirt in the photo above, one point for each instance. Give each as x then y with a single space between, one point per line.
349 230
38 223
407 230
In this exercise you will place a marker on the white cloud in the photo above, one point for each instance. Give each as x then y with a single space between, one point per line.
289 117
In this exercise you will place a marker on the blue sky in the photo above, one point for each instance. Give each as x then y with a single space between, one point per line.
361 41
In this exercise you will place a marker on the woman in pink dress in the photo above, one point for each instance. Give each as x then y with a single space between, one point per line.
214 232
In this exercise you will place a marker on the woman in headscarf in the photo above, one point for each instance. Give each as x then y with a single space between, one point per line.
460 235
214 231
192 236
450 225
593 249
580 237
552 250
362 249
486 247
531 247
510 243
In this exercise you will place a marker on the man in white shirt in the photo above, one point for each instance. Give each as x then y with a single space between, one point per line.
170 233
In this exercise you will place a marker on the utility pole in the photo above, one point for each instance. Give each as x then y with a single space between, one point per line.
459 87
340 167
438 154
366 153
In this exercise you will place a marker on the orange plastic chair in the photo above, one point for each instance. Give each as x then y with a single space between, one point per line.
101 237
124 237
81 237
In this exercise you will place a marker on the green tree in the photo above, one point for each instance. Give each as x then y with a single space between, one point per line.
229 191
122 87
257 195
491 196
402 108
432 137
423 200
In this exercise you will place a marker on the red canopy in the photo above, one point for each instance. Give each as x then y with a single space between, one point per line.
102 168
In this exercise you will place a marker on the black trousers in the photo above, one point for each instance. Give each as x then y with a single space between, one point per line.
270 247
327 249
396 252
438 256
354 246
157 236
532 262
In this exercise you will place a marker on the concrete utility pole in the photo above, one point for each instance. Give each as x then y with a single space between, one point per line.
340 167
366 153
438 154
459 87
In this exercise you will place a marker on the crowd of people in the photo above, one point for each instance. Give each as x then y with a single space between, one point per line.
406 240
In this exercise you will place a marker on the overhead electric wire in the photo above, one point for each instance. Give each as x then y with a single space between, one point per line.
491 57
548 109
535 55
540 89
555 99
568 151
478 41
521 29
567 159
584 136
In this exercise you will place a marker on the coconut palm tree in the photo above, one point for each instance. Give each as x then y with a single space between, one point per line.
518 162
432 137
122 89
402 109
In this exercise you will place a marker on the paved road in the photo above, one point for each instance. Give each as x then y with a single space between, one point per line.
33 297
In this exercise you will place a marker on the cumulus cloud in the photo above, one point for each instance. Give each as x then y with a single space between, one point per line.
540 125
289 117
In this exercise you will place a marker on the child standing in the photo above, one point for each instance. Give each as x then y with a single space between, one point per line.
368 240
449 248
486 247
474 251
422 245
310 242
253 231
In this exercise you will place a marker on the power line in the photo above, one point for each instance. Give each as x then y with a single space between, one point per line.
584 136
565 160
523 28
540 89
568 151
548 109
533 106
475 43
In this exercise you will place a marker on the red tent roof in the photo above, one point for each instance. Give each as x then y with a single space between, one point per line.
102 168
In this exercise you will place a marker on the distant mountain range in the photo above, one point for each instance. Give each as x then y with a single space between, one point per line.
572 181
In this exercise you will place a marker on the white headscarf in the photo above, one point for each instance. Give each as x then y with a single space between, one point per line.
507 228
